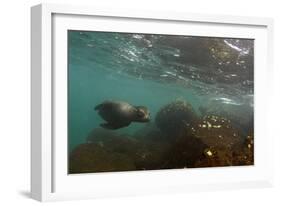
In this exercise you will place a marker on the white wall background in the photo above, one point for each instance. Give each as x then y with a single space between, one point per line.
15 103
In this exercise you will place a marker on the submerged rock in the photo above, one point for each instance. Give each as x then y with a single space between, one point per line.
114 142
240 115
241 154
175 117
152 156
245 154
185 152
146 151
87 158
209 142
150 132
155 146
216 158
216 132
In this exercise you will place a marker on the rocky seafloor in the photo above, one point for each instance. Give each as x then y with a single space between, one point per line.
177 138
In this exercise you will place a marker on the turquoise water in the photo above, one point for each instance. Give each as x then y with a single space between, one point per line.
153 70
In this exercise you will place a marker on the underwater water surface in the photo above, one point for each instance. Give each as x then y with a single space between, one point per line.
199 92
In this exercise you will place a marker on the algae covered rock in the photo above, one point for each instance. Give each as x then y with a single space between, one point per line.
87 158
117 153
208 142
152 156
240 114
215 158
175 117
113 142
221 142
241 154
185 152
154 148
245 154
118 143
216 132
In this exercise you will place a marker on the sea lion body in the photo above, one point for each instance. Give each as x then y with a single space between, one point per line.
118 114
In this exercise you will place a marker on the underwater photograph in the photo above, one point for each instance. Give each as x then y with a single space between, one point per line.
152 102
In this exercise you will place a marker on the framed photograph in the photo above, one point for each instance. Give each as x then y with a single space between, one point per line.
137 102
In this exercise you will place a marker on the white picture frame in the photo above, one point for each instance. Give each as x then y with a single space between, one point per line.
49 178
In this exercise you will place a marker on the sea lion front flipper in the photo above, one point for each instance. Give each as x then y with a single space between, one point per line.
114 126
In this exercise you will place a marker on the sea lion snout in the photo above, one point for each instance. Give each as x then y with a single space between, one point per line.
143 114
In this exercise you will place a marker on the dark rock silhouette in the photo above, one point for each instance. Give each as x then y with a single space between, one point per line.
175 117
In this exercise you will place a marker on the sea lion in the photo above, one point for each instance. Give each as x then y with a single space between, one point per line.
118 114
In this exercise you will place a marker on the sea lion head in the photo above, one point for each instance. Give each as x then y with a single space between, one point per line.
142 114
